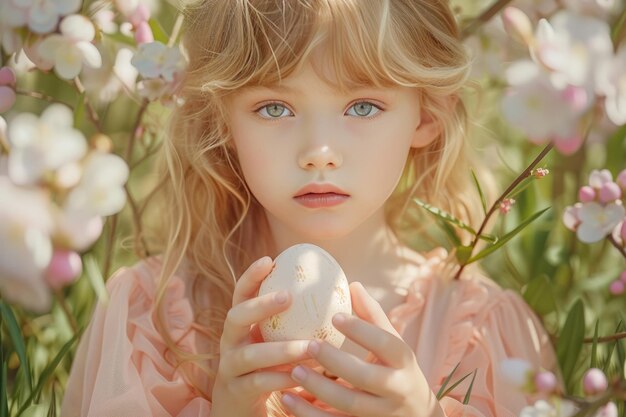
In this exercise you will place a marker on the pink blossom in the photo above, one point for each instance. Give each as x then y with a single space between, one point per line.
517 25
586 194
609 410
609 192
594 381
571 218
598 221
64 268
540 172
7 76
506 205
545 381
617 287
7 98
597 178
143 33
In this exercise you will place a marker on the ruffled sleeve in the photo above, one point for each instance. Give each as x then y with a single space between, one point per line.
474 323
120 368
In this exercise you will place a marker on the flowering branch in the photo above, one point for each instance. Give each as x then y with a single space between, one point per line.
526 173
616 336
42 96
93 115
484 18
619 248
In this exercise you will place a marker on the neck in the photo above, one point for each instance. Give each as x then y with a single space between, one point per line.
368 254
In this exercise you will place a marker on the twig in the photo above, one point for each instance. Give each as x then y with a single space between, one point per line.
42 96
616 336
496 204
135 132
93 115
108 255
483 18
137 221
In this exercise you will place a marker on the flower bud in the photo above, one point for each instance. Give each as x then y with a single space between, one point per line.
545 381
622 232
621 179
7 76
610 192
609 410
143 33
586 194
594 381
139 15
617 287
7 98
63 269
518 25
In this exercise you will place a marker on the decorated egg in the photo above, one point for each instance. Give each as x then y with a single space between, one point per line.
319 290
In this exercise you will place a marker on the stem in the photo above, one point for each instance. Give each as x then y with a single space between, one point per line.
135 132
58 294
42 96
108 255
93 115
178 24
496 204
137 221
484 17
617 245
616 336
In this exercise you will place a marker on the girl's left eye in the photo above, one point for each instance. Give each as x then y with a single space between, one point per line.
364 109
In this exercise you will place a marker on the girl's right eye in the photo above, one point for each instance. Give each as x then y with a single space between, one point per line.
272 111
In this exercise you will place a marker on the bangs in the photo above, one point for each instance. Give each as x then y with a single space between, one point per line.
348 42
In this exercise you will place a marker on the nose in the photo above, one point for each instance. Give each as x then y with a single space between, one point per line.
320 157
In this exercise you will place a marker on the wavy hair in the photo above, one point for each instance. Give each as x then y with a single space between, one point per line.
211 223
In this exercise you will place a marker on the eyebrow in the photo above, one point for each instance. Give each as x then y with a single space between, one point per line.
295 90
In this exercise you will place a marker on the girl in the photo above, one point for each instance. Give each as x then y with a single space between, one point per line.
308 121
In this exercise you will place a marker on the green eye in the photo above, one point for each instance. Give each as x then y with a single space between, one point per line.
364 109
273 110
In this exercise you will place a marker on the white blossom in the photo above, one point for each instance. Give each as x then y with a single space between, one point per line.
72 48
42 145
156 60
598 221
26 247
41 16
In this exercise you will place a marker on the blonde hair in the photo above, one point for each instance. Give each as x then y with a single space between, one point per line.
212 224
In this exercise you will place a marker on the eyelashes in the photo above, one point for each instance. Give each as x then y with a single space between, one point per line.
275 110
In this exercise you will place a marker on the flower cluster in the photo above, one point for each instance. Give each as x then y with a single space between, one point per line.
600 210
57 192
161 67
520 374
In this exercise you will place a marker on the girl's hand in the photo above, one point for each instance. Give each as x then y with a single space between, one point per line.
250 369
388 383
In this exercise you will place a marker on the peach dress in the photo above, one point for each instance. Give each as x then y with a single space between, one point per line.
120 368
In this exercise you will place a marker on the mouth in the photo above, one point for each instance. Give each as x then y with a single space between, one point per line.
320 200
320 189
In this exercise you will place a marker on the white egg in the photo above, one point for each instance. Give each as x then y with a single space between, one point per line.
319 289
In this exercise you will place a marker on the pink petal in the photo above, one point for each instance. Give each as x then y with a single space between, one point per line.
7 98
7 76
568 146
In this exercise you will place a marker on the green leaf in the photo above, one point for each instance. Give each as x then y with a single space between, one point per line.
539 295
158 32
483 200
488 250
456 384
450 231
469 390
4 398
94 275
571 341
18 340
118 37
445 383
444 216
489 238
594 347
607 364
463 253
48 371
79 111
52 410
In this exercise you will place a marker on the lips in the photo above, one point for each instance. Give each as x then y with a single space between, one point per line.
314 188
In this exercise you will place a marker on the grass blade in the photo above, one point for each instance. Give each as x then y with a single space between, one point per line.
18 340
594 347
571 341
445 383
456 384
507 237
483 200
444 216
469 390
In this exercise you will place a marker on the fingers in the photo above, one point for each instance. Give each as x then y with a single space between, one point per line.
259 383
340 397
366 307
389 348
249 282
243 315
375 379
263 355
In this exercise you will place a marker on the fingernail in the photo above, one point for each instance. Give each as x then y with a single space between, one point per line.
298 373
314 348
339 318
281 297
264 261
288 400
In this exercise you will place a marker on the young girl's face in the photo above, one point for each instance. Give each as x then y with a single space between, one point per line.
305 132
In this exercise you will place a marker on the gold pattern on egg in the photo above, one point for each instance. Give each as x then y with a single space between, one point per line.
275 321
300 275
322 334
341 293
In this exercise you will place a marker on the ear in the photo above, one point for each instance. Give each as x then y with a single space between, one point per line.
429 128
